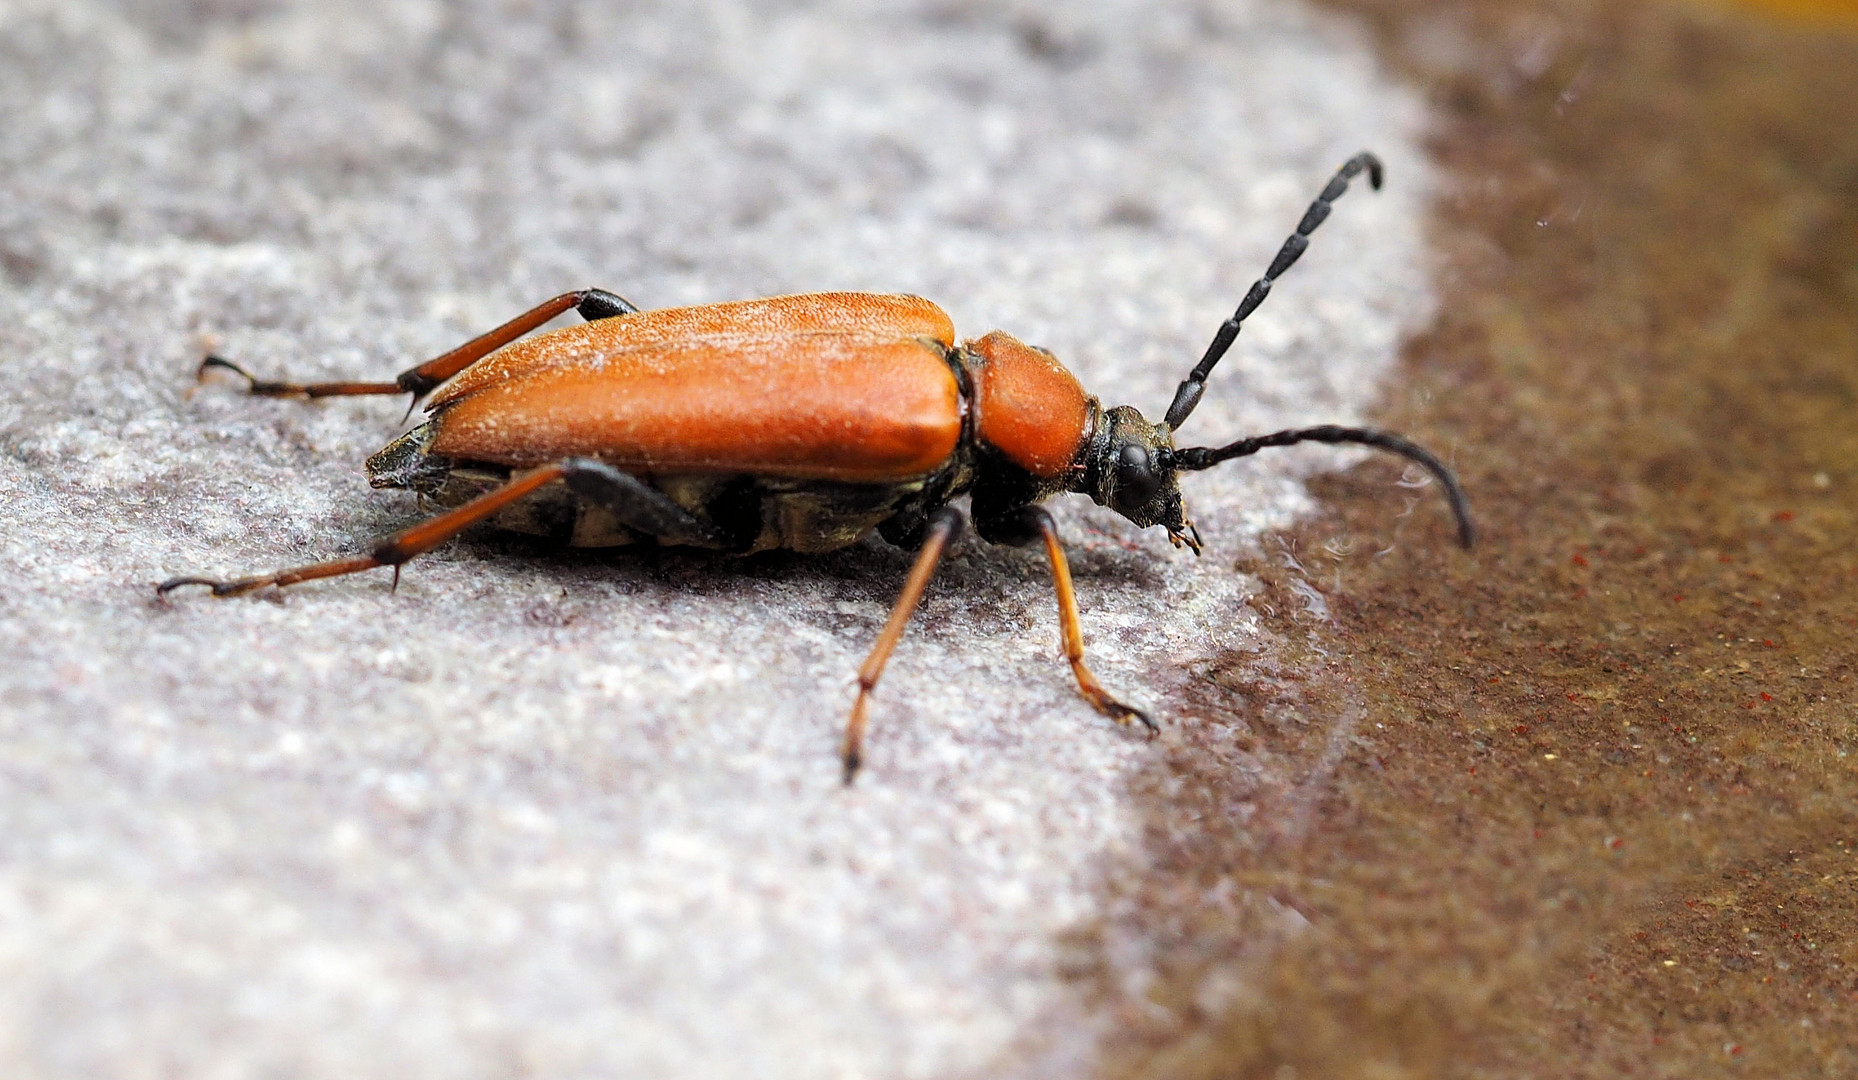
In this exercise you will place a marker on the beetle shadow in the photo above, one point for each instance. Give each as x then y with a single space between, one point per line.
869 571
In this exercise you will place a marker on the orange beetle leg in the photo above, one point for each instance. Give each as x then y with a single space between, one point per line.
592 303
1087 683
392 550
942 528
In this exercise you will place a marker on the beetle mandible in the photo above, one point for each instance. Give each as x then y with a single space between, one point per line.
796 422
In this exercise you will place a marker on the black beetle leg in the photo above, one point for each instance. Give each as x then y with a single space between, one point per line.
639 506
943 526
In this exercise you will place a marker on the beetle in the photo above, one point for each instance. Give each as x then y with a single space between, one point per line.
795 422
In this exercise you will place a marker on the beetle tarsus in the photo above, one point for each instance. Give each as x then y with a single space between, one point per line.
253 384
851 752
1101 700
267 388
1038 520
237 587
174 583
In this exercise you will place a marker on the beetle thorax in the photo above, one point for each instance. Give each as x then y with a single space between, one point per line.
1027 408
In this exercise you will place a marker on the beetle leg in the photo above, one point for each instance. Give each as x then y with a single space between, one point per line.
943 526
639 506
1073 633
258 387
592 304
392 550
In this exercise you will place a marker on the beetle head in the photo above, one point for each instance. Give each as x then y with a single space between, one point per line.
1134 474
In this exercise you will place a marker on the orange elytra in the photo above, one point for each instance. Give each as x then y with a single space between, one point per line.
795 422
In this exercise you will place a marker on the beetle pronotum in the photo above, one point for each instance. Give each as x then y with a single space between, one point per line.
797 422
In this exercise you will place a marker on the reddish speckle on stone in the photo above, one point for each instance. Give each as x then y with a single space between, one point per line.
1678 599
1615 842
1520 729
1765 696
1769 642
1736 1049
1783 515
1580 560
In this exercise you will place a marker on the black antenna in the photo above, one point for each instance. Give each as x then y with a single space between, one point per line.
1195 458
1194 385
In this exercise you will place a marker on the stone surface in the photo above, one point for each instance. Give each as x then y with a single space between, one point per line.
1600 817
579 814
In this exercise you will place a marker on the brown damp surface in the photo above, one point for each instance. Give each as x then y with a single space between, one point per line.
1585 801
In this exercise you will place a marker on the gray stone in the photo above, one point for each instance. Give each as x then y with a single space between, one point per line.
580 814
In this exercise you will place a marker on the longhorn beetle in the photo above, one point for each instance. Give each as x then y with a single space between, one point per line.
796 422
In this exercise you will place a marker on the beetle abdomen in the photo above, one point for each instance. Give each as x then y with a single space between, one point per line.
1026 405
806 405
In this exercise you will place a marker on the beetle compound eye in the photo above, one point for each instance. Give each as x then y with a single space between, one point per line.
1136 479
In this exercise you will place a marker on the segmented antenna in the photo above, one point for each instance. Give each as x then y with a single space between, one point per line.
1194 385
1195 458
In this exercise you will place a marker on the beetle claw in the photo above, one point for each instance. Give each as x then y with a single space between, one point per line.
1121 713
174 583
1133 713
253 384
220 588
